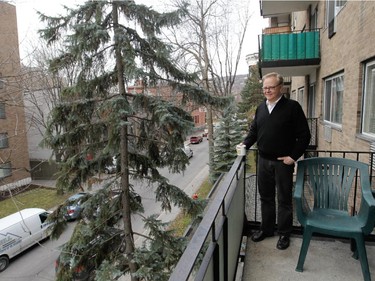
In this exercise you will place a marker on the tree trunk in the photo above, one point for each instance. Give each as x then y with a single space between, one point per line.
125 199
206 85
210 141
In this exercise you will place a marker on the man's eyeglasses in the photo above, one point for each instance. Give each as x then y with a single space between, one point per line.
271 88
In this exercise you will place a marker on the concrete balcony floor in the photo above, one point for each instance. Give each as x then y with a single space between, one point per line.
327 259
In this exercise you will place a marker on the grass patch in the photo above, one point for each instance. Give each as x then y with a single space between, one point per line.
180 224
182 220
40 197
204 189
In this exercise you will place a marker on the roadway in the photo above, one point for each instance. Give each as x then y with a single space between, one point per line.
37 263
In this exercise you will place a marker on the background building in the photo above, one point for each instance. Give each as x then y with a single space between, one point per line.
166 92
14 157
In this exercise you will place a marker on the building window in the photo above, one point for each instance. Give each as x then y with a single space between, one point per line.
2 110
314 19
333 96
1 81
300 96
333 8
4 140
311 102
368 114
294 95
5 170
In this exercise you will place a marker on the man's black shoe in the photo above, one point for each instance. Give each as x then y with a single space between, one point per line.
283 242
259 236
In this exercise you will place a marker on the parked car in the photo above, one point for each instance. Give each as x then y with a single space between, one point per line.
109 241
112 204
74 205
20 231
196 139
110 169
205 133
113 167
188 151
134 196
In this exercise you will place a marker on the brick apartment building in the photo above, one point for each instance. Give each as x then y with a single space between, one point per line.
14 157
327 50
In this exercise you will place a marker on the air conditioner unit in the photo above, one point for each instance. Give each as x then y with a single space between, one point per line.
327 133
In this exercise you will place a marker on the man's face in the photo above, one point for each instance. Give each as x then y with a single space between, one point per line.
271 89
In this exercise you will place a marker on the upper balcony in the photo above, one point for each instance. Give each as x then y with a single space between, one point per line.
272 8
289 53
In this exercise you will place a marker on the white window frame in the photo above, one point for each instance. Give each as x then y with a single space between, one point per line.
314 19
368 101
332 10
333 100
5 170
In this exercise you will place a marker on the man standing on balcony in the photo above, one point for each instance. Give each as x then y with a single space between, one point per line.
282 134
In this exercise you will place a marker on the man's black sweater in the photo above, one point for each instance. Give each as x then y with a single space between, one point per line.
284 132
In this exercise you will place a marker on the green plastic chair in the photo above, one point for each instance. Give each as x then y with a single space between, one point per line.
327 183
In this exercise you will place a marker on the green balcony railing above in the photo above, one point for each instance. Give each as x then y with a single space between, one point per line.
290 46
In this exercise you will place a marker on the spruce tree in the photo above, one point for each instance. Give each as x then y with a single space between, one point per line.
113 44
251 94
227 136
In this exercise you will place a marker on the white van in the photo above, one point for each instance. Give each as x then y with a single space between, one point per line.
20 231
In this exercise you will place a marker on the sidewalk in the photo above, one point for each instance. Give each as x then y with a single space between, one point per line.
46 183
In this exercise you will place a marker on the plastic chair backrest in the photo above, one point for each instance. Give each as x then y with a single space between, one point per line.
332 180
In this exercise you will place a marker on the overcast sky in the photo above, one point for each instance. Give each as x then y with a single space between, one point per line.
28 23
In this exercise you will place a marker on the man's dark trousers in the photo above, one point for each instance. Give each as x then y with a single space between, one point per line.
274 174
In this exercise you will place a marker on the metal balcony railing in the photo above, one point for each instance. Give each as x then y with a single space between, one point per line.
212 253
214 249
313 126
